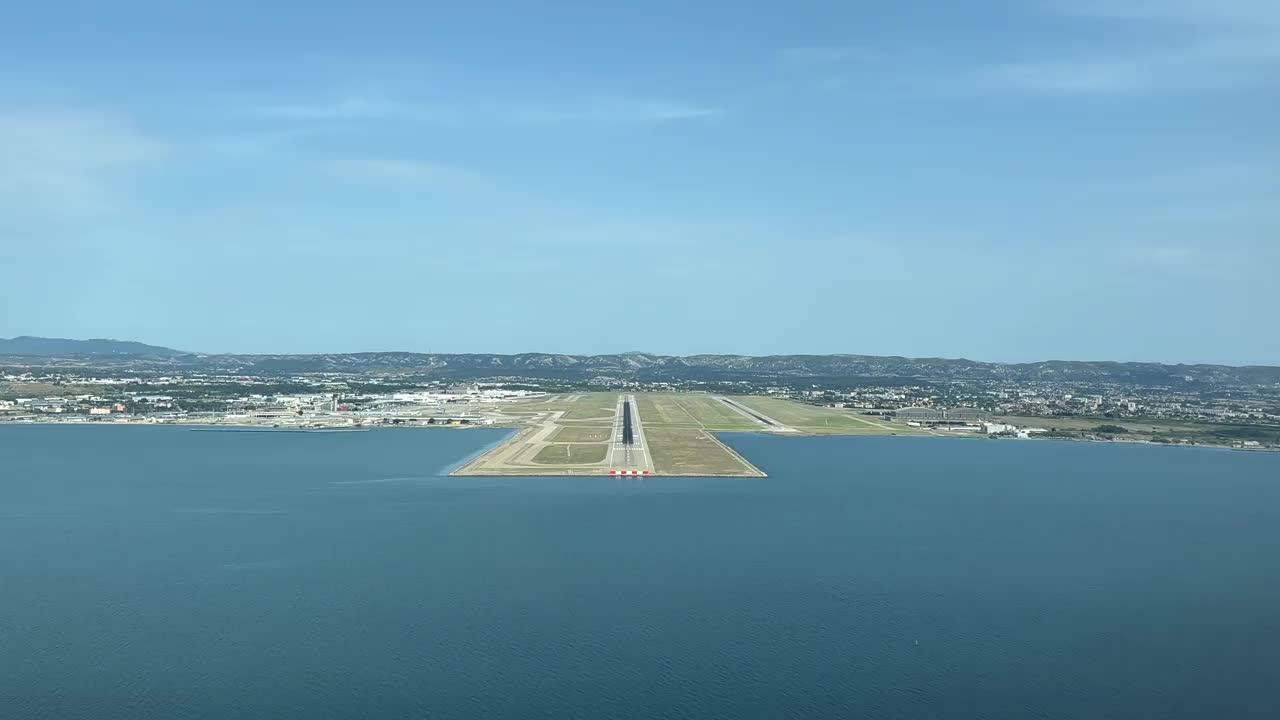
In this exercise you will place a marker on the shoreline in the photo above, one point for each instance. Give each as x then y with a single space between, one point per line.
463 469
457 468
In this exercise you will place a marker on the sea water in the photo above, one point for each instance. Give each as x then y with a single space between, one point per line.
159 572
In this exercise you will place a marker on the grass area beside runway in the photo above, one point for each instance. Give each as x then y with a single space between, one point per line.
583 434
569 434
1088 423
692 411
1160 430
572 454
656 411
579 408
820 420
592 406
691 451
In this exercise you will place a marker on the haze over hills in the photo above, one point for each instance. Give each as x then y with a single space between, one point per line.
636 365
28 345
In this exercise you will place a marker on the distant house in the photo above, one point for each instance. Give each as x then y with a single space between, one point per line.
965 415
48 404
934 416
920 415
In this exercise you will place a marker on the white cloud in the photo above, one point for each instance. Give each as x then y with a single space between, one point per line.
411 174
660 111
1237 13
1206 65
354 107
488 111
1081 76
255 144
1175 46
70 162
851 68
612 111
1234 179
818 55
1134 47
1181 259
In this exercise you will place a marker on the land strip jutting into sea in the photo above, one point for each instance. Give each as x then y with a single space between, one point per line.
670 433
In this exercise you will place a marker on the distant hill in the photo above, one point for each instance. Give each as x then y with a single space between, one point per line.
640 366
27 345
652 367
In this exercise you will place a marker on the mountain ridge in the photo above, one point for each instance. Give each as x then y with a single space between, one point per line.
33 346
644 366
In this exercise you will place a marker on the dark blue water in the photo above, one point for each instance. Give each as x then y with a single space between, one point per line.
163 573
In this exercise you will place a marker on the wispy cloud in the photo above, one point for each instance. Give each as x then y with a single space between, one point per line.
1234 178
1160 258
1206 65
834 67
612 111
352 107
819 55
70 161
1238 195
1181 46
1185 259
489 111
1156 47
1069 76
258 143
407 174
1238 13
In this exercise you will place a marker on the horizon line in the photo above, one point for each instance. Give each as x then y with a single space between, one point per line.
655 354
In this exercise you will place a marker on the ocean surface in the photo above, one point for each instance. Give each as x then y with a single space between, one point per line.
164 573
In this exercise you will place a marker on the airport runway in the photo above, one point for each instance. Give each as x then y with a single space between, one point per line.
757 417
634 455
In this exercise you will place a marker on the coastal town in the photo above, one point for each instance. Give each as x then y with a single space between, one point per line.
1238 417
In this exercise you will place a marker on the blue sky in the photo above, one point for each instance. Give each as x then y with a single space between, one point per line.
996 180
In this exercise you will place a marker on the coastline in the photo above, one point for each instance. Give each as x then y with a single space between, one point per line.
456 468
463 467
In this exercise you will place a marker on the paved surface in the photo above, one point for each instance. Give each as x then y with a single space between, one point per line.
542 424
636 455
516 456
756 416
519 451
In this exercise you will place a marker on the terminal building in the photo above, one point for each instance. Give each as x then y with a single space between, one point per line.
936 416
